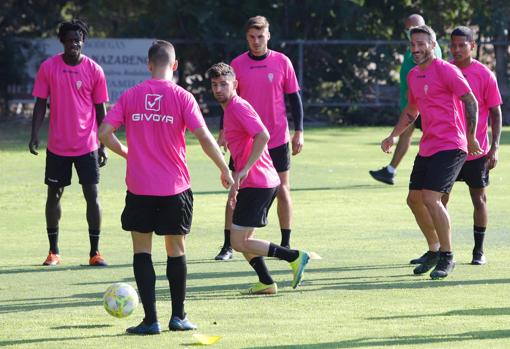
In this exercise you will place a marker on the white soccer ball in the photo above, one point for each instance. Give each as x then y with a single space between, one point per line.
120 300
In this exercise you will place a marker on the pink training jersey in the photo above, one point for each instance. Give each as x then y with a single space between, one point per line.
74 91
264 83
240 124
436 91
485 88
156 114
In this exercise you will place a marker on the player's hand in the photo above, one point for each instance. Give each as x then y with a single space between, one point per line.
474 146
221 141
240 176
232 196
226 179
387 143
298 140
491 159
102 156
33 145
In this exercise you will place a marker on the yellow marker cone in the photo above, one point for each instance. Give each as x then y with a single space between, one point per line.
205 339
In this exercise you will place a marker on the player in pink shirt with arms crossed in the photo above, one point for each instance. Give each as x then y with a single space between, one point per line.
76 86
256 182
156 114
265 78
436 89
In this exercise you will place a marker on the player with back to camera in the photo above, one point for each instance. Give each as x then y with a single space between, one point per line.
256 182
265 77
436 90
156 114
77 90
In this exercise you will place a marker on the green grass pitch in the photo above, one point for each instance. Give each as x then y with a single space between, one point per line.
362 294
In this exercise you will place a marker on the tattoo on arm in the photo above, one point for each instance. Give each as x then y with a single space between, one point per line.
495 114
471 115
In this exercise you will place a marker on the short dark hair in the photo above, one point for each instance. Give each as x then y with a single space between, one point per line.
464 31
74 25
257 22
161 53
221 69
424 29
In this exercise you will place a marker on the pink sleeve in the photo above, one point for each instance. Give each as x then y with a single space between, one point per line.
456 81
291 82
115 115
41 85
192 115
410 96
249 119
100 93
492 95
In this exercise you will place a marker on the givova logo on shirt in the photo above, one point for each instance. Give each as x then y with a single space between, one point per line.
153 102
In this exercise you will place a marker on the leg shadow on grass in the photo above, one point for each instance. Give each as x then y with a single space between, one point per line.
440 340
5 343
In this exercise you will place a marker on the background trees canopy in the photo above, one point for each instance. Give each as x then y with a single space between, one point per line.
208 31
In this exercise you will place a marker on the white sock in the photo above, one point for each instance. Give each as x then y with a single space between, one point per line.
391 169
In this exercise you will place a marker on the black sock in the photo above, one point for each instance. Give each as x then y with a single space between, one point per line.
53 239
146 282
258 264
285 237
282 253
176 271
226 243
94 241
479 233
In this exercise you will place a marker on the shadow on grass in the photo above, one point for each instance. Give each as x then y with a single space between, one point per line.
5 343
462 312
440 340
342 187
76 327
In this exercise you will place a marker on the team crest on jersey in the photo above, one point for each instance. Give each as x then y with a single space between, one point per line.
426 89
270 76
78 84
153 102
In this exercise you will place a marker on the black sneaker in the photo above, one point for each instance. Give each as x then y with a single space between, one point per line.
430 260
383 175
478 258
443 268
225 254
419 260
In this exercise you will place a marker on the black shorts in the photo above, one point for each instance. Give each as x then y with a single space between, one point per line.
280 156
417 123
59 169
475 173
437 172
252 206
164 215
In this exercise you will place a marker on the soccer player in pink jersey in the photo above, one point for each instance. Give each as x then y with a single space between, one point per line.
156 114
77 90
436 89
256 182
265 78
475 171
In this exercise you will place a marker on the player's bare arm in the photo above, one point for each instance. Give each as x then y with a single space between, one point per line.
492 155
471 107
259 142
213 151
37 121
108 138
100 114
407 117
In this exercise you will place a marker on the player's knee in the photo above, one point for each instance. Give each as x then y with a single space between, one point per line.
480 202
237 244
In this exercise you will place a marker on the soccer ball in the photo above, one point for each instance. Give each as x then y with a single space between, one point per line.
120 300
